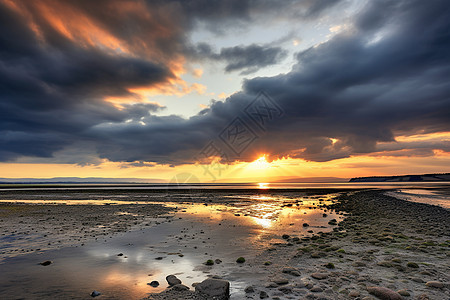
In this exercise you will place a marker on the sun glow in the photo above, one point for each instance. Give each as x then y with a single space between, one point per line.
260 163
263 186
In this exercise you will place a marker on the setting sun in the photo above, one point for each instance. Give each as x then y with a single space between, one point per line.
260 163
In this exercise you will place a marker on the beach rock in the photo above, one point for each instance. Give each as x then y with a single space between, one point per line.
285 289
354 294
384 293
435 284
319 275
404 293
305 225
249 289
291 271
95 294
214 288
318 254
263 295
180 287
280 280
173 280
46 263
285 236
240 260
412 265
316 289
217 261
154 283
120 254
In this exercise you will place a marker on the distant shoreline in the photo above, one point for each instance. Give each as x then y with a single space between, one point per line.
404 178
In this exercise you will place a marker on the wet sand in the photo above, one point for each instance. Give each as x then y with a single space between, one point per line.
119 249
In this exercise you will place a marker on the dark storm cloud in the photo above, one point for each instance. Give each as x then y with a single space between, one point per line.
386 75
362 87
247 59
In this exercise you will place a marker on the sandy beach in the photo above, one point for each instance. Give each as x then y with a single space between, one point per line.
309 244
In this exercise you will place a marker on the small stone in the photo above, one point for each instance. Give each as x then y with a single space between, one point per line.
217 261
305 225
316 289
435 284
324 215
417 279
280 280
120 254
319 276
267 263
159 258
154 283
180 287
384 293
354 294
95 294
249 290
46 263
285 289
263 295
291 271
329 265
240 260
404 293
285 236
412 265
209 262
173 280
214 288
318 254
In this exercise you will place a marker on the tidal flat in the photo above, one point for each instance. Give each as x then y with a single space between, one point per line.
297 244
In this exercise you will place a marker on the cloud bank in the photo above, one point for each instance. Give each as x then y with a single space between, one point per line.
385 75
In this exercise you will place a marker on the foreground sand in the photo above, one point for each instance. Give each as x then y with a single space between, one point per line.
383 242
385 249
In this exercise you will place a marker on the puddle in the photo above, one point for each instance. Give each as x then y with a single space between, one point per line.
179 245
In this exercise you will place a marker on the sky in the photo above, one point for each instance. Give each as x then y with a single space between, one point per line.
235 90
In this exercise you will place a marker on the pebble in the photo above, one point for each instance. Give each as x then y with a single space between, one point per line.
249 289
285 289
180 287
95 294
384 293
316 289
173 280
291 271
319 275
354 294
46 263
263 295
435 284
404 293
154 283
280 280
214 288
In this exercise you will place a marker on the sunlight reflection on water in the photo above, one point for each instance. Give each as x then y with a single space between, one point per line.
181 245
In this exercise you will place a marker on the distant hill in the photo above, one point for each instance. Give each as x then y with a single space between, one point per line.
404 178
73 180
